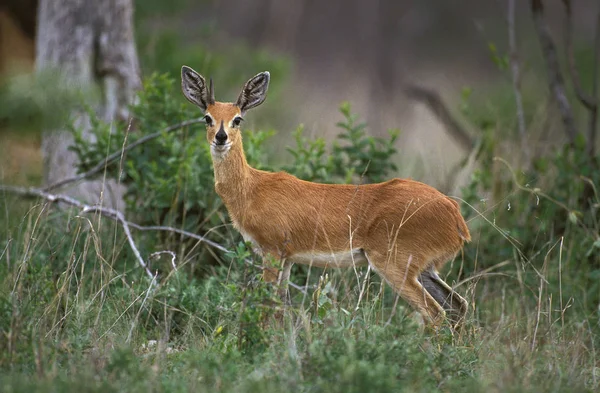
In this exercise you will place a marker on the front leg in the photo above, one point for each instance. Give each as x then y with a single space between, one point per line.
283 281
270 274
271 267
278 273
281 277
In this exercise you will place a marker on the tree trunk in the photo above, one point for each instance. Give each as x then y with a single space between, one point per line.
91 44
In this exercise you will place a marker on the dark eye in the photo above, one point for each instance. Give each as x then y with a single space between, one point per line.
208 120
236 122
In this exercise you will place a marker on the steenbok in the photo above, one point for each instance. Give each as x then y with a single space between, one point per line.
405 230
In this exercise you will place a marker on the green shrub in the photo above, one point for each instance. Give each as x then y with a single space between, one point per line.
354 156
545 216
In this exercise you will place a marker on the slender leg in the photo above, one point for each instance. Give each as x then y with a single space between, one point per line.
278 275
270 274
271 266
400 270
455 305
283 280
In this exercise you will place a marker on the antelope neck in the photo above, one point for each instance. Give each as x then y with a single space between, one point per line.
233 178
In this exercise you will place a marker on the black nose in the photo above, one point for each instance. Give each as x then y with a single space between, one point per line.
221 137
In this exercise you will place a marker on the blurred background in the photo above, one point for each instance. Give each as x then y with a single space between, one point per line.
323 53
495 102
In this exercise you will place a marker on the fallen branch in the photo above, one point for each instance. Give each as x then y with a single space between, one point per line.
555 77
179 232
434 102
106 212
118 216
118 154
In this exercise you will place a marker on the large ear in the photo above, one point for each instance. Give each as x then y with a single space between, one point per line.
254 92
194 88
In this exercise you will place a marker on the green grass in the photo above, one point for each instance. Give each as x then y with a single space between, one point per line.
78 314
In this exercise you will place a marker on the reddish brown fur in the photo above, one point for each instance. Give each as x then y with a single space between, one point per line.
403 227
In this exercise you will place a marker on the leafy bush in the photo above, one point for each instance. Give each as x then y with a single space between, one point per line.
546 215
354 156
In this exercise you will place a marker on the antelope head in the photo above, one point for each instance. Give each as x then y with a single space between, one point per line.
223 119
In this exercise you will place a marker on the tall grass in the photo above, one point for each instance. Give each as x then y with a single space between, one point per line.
76 312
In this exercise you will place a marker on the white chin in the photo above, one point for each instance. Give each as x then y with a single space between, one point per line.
219 151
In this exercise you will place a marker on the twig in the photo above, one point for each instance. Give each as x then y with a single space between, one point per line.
555 78
298 287
118 154
105 211
534 191
516 79
178 231
171 253
118 216
112 213
435 104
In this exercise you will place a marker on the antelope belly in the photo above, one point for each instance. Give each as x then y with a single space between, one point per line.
348 258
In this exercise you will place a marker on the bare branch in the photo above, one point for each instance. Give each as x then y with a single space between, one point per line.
118 154
516 79
171 253
555 78
119 217
180 232
105 211
435 104
588 101
116 215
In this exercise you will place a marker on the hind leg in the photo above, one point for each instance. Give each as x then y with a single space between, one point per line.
401 271
455 305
